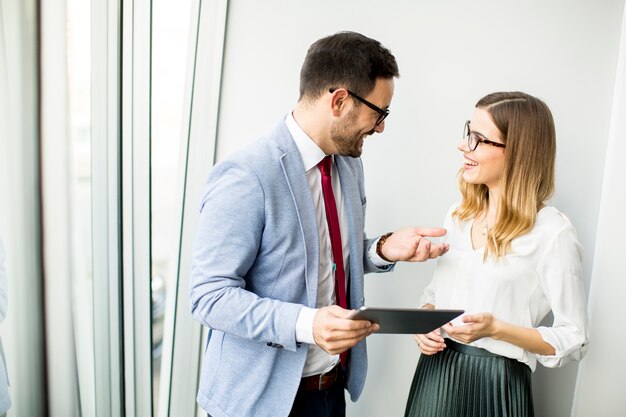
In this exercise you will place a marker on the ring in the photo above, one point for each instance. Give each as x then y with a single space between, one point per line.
419 342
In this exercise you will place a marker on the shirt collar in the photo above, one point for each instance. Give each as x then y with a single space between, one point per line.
310 153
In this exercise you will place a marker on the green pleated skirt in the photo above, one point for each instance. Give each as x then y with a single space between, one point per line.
466 381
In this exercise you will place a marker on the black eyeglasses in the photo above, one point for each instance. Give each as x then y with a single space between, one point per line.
382 114
474 138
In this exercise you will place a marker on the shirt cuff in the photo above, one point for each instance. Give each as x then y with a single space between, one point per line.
375 258
304 325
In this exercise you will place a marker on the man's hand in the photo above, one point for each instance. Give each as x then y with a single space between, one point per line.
410 244
334 332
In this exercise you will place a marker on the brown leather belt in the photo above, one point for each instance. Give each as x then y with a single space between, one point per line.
321 382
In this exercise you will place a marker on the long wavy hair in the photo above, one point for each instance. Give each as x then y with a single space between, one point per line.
527 128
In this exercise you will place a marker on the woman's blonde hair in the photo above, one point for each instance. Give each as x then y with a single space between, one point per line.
527 128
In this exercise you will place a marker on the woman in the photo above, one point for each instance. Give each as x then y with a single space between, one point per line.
511 260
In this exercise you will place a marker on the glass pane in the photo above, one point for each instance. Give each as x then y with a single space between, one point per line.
170 30
79 84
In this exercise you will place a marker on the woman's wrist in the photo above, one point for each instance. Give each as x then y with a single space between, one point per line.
497 328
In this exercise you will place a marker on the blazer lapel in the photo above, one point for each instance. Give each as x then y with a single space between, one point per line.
354 213
301 194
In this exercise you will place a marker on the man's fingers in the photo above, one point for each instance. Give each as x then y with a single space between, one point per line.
431 231
437 249
337 311
337 341
334 312
335 333
423 251
428 250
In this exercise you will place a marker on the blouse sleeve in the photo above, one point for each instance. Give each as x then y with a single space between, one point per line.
560 274
428 296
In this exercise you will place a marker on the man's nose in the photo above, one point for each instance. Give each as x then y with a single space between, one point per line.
379 128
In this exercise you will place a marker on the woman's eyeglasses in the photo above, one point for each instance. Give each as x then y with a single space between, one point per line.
474 138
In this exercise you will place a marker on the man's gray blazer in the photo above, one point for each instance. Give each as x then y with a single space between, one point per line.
255 264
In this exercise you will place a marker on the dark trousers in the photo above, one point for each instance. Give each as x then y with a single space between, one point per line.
326 403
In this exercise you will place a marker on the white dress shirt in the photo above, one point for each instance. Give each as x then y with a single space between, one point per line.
318 360
542 273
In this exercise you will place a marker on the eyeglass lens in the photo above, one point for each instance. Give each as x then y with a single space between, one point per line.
382 114
472 143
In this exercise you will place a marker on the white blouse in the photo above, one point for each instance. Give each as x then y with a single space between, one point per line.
541 273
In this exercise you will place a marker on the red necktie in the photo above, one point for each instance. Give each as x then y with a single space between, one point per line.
335 236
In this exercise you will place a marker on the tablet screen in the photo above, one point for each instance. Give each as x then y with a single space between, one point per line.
409 321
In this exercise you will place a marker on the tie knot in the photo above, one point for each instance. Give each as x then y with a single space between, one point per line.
324 165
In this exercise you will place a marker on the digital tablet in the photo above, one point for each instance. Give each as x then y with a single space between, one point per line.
406 320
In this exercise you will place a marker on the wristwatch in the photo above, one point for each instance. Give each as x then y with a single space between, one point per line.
379 246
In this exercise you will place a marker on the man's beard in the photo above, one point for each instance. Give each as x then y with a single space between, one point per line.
347 138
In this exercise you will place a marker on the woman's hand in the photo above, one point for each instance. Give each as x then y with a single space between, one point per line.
477 326
430 343
486 325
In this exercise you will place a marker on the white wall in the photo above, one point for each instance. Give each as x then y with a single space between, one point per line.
450 54
600 386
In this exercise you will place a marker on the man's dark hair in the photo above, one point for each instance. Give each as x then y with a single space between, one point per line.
345 59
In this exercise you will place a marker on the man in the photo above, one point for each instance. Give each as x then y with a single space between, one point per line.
269 274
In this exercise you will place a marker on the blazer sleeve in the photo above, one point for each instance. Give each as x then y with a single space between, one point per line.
228 239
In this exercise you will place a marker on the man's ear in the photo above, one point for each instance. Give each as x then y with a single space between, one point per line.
338 101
